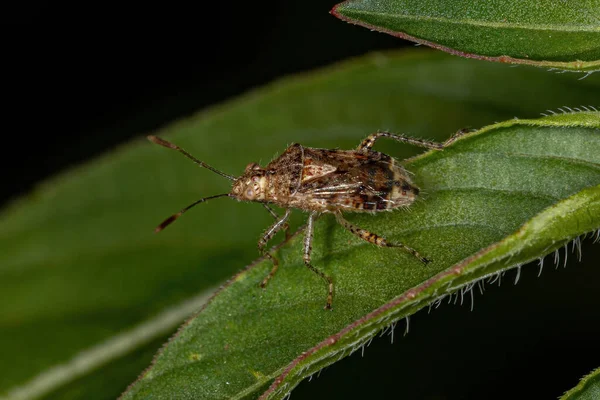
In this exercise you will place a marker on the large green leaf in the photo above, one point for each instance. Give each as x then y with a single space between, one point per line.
518 190
80 265
587 389
548 33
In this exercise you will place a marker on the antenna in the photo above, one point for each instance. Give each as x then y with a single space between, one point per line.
173 217
169 145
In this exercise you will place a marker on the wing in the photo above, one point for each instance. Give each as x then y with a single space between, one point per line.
330 173
352 180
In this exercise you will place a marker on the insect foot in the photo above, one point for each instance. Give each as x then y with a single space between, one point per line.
320 181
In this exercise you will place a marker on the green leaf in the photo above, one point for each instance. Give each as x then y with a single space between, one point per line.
518 190
587 389
548 33
82 275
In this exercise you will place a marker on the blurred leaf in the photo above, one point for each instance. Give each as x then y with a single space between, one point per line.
587 389
79 260
109 380
547 33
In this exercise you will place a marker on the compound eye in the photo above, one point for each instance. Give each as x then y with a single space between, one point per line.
250 193
252 166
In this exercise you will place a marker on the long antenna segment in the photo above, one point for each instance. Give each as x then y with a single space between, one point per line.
169 145
173 217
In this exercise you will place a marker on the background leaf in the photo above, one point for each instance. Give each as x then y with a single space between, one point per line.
549 33
79 261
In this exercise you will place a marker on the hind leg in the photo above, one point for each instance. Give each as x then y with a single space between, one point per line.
370 140
376 239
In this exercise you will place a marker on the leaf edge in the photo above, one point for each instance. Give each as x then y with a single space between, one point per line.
577 66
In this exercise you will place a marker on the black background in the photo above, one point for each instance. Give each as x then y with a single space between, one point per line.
82 78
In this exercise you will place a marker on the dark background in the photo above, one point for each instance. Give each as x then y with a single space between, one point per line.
84 78
81 79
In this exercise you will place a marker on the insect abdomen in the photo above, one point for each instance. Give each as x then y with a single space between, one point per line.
387 186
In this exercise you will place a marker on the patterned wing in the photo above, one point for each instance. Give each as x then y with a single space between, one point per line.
354 180
325 173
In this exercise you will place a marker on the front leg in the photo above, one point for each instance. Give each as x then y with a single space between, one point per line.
269 233
286 226
376 239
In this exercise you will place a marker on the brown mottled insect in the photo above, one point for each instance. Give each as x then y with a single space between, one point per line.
322 181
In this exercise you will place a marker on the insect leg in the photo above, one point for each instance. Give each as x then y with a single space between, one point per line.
308 236
269 233
370 140
286 226
376 239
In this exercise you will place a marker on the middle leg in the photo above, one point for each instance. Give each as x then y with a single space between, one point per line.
376 239
308 237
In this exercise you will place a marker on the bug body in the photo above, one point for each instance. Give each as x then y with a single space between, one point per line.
323 181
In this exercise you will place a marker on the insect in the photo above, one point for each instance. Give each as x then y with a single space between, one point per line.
321 181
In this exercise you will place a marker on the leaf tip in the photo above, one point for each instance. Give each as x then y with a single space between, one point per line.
335 10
